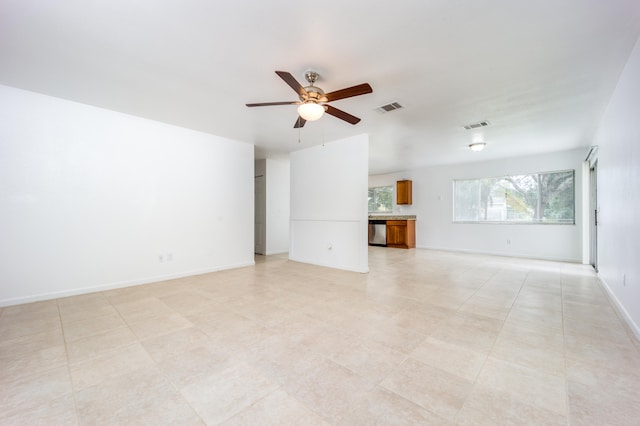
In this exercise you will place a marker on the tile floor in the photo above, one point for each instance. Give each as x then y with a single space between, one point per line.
426 337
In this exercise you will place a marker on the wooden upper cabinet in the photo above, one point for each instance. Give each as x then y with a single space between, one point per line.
403 192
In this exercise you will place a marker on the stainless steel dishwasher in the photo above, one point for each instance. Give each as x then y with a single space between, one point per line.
377 232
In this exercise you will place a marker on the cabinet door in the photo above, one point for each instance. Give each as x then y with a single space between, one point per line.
404 192
397 233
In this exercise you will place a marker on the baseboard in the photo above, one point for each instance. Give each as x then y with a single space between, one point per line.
271 253
635 329
115 285
309 262
502 254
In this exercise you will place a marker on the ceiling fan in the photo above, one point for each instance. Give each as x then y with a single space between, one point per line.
313 100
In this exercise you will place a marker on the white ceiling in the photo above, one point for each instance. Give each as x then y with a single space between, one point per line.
541 72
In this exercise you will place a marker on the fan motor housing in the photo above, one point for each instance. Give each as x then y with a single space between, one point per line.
313 94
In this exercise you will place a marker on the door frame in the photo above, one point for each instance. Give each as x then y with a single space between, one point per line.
592 161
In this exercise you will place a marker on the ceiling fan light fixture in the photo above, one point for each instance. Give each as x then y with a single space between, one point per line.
477 146
310 111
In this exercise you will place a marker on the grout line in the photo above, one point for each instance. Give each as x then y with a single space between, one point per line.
564 350
66 351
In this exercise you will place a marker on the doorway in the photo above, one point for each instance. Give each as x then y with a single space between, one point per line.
260 214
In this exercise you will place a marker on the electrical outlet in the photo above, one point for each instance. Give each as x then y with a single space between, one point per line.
508 242
160 258
169 257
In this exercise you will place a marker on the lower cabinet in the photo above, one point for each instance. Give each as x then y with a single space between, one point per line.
401 233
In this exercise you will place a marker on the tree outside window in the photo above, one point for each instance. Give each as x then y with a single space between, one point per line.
381 199
536 198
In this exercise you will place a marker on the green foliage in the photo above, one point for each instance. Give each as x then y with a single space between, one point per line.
541 197
380 199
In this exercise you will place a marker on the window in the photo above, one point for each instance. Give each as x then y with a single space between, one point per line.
537 198
381 199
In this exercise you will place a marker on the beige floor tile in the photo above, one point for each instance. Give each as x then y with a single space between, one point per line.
118 362
514 350
277 408
544 337
188 302
540 319
489 407
70 313
235 336
92 326
141 397
538 299
158 326
330 390
591 406
184 368
84 301
143 309
218 397
492 310
54 411
421 319
15 326
608 378
85 348
127 295
371 360
36 361
533 387
601 351
457 360
282 340
397 338
577 331
28 393
267 314
602 315
474 332
25 345
174 343
300 328
45 310
382 407
433 389
279 358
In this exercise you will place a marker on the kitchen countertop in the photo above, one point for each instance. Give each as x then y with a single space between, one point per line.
392 217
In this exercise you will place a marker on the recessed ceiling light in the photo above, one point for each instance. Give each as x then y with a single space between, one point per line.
477 146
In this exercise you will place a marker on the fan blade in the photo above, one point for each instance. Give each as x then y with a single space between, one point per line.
338 113
288 78
299 122
272 103
360 89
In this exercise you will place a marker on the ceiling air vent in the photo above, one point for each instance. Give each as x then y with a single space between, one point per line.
389 107
476 125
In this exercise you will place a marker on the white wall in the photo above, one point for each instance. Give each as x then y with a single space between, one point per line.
278 204
618 139
90 198
329 204
433 206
